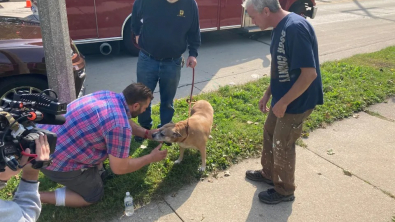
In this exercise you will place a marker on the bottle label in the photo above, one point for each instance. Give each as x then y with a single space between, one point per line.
128 203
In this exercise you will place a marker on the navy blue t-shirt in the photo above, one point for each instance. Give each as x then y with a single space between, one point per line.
294 46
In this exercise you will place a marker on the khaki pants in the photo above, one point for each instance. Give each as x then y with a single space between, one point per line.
278 155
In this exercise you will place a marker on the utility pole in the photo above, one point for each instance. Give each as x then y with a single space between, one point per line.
56 41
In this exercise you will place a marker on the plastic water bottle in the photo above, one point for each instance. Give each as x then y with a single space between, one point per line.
129 208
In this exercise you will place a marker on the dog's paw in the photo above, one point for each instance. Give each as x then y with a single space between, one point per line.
177 161
202 168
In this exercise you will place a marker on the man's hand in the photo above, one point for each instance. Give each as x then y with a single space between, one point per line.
42 151
191 62
263 104
279 109
137 39
157 154
127 165
150 132
140 131
42 148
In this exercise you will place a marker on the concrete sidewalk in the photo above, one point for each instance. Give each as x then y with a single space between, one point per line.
346 173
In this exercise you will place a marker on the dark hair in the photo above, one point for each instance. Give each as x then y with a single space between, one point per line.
136 93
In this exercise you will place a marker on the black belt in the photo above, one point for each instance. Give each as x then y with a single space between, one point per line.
158 59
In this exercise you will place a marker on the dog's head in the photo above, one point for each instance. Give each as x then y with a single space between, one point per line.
167 133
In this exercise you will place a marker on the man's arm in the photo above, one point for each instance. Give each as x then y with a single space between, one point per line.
128 165
140 131
307 76
305 79
193 34
25 206
26 203
28 198
8 173
136 19
268 91
264 100
300 43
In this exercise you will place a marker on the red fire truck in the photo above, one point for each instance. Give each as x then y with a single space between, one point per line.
108 21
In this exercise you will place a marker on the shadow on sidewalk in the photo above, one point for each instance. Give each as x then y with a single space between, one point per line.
266 213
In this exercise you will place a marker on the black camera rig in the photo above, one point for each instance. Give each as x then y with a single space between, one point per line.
18 130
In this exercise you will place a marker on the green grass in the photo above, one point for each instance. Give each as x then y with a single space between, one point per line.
350 85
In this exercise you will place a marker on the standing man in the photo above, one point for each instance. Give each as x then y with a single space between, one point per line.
163 31
295 88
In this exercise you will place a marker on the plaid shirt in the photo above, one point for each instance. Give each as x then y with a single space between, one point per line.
96 125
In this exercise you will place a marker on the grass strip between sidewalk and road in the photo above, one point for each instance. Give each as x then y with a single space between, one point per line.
350 85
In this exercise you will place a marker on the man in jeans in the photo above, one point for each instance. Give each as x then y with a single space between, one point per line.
163 31
295 87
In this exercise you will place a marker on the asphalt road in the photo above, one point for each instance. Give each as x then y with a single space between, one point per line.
343 28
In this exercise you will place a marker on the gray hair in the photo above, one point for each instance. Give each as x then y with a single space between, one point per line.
259 5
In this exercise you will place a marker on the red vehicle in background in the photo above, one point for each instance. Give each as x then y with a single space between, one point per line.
108 21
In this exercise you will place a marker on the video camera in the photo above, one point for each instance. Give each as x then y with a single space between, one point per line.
17 126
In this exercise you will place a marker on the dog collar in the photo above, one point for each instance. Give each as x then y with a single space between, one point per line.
187 129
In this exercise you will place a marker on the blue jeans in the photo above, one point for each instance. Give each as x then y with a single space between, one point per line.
167 72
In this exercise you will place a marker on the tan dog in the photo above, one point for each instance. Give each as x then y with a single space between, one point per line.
193 136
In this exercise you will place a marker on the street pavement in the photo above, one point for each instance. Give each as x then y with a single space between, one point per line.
227 58
343 28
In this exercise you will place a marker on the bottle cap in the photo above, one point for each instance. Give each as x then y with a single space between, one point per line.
127 194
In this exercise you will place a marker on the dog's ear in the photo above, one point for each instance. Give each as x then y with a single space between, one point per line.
176 134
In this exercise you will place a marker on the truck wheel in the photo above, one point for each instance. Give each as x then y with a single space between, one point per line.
128 40
13 84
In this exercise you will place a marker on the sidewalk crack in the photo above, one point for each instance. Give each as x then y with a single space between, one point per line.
173 210
378 115
348 173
